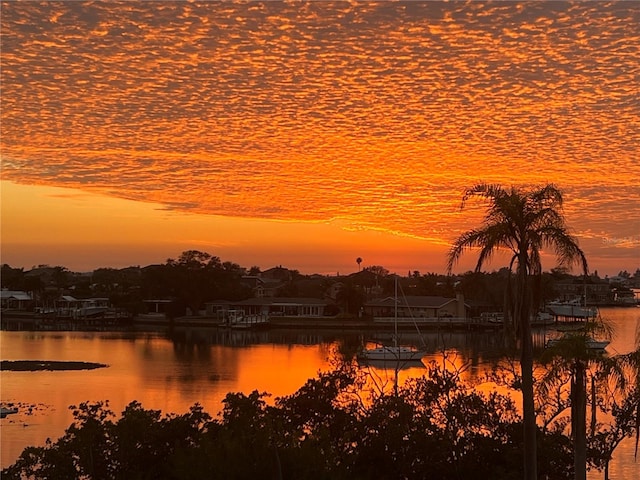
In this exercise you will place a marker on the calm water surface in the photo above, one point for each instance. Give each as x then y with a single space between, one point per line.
202 365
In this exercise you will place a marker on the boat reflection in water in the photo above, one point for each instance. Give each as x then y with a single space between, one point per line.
198 365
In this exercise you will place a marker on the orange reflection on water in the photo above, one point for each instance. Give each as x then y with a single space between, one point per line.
201 366
162 375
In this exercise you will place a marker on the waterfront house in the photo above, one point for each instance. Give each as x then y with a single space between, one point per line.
15 300
418 308
270 306
576 289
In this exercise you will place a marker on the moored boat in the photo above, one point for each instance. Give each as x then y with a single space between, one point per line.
590 343
391 353
7 410
395 352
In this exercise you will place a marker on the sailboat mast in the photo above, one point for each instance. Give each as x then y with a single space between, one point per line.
395 316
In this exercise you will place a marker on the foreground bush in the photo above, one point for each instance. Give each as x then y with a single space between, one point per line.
433 427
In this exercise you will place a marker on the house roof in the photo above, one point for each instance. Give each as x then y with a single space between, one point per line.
276 301
297 301
17 295
411 301
255 278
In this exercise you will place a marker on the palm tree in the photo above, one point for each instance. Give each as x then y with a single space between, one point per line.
358 261
521 222
624 370
575 349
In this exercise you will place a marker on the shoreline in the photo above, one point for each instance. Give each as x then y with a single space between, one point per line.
50 365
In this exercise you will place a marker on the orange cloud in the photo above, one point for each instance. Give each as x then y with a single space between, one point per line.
375 115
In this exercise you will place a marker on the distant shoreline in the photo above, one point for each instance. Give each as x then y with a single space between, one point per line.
38 365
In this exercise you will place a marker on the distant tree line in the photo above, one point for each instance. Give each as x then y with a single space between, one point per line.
197 277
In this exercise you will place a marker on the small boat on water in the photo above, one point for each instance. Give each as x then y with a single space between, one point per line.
248 322
495 318
590 343
593 344
5 410
395 352
571 311
236 319
392 353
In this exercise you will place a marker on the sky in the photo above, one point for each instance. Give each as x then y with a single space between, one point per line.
308 134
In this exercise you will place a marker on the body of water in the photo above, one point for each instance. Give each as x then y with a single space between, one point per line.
202 365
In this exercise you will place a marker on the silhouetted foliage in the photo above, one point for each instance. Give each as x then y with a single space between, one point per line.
12 278
350 298
433 427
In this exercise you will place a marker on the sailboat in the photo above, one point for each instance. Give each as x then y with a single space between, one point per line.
395 352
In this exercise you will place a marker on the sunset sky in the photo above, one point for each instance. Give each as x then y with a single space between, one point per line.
307 134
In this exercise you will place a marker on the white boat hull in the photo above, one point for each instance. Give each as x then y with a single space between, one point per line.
590 343
597 344
391 353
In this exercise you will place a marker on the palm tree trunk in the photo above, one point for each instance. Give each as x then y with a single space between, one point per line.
526 368
593 405
579 421
508 313
528 408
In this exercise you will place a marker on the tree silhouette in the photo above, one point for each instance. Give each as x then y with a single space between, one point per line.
194 276
578 356
521 222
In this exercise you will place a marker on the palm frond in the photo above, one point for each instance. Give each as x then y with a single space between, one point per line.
548 194
467 240
484 190
489 240
615 369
